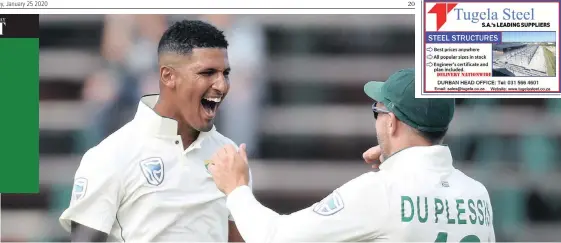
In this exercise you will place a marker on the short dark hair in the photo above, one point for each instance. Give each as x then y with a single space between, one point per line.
433 137
183 36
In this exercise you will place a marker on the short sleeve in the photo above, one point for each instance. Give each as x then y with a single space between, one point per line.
95 193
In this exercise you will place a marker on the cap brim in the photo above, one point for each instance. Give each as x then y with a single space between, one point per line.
374 90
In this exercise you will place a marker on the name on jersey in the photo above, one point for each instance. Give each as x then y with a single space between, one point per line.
435 210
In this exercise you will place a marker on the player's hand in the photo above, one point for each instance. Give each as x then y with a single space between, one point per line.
373 156
229 168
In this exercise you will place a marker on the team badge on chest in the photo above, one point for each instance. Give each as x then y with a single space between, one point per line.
153 170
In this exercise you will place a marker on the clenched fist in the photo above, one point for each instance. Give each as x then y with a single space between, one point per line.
373 156
229 168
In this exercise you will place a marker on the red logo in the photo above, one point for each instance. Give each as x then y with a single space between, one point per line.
441 10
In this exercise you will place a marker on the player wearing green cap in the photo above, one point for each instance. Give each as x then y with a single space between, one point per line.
416 195
425 120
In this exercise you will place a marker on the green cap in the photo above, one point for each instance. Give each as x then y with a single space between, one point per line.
398 95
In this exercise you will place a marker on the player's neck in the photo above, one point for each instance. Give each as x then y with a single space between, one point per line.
408 143
187 133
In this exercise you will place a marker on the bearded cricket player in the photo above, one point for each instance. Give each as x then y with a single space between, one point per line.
416 194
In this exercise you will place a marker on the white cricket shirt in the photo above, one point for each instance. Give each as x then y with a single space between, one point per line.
140 184
416 196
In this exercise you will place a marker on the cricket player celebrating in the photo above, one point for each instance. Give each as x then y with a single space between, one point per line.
417 194
148 181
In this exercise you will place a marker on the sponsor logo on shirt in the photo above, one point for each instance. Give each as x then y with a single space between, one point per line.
153 170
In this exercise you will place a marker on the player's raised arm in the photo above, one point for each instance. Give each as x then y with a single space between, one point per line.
95 199
345 215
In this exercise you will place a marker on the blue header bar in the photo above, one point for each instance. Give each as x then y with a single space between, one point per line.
463 37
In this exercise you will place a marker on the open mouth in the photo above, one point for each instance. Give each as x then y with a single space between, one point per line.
210 105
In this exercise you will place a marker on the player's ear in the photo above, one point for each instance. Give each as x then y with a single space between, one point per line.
168 76
391 125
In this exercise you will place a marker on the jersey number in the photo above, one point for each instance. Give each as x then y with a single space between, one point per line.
443 237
